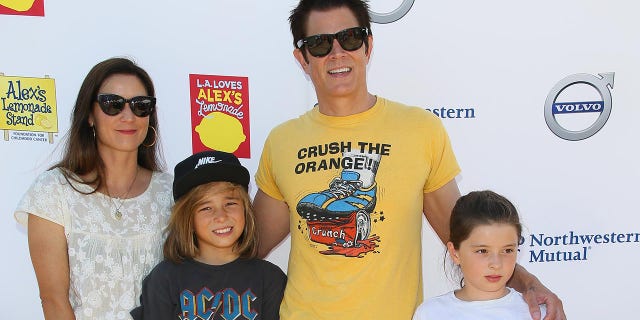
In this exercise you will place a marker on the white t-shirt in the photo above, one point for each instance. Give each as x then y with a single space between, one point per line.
448 306
108 258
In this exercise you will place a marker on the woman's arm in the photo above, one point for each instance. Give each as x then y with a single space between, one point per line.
48 249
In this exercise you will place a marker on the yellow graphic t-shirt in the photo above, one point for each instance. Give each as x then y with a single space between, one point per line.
355 188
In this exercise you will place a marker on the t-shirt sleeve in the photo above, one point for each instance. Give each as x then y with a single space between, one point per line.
275 281
265 179
432 308
444 166
421 313
155 299
43 198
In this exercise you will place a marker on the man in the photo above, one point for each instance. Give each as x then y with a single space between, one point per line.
348 179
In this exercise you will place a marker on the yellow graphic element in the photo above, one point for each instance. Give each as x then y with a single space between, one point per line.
42 121
220 131
17 5
28 104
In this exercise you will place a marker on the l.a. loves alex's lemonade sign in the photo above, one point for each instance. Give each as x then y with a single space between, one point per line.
22 7
28 104
220 114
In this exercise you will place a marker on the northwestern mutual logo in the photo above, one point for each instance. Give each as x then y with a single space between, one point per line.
571 246
579 105
453 112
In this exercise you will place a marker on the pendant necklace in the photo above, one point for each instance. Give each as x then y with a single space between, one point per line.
121 199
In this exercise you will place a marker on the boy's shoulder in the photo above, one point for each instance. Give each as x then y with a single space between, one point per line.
264 264
167 267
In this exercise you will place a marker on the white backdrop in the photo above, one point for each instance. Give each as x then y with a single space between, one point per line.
498 59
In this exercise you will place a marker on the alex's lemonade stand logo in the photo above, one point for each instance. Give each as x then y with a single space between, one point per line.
28 107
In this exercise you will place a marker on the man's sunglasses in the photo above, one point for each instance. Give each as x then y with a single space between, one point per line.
320 45
113 104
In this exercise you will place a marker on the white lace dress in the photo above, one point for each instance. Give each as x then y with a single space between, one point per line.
108 258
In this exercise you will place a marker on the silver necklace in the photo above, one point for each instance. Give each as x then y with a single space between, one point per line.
121 199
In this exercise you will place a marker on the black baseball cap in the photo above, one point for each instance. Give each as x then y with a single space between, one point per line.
208 166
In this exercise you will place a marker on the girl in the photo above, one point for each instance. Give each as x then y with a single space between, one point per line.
95 219
484 233
210 271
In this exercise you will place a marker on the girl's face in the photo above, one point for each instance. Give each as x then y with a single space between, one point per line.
218 223
487 260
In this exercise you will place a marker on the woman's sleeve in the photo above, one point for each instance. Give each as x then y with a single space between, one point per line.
43 199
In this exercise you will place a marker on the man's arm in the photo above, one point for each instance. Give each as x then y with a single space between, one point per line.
437 206
272 218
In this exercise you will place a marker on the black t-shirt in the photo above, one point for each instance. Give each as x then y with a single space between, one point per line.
241 289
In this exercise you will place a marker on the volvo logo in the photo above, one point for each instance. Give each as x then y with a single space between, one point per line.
552 107
394 15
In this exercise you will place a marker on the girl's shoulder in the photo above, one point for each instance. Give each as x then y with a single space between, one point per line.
445 299
436 307
516 300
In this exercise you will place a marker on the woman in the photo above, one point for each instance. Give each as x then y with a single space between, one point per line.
95 219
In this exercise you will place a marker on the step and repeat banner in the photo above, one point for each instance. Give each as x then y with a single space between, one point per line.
538 99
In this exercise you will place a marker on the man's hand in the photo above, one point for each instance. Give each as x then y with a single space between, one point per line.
535 294
538 294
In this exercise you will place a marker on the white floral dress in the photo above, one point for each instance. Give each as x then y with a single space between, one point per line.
108 257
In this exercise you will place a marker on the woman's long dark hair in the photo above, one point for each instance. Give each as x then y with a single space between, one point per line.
80 152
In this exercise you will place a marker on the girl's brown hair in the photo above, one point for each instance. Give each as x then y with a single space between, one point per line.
480 208
182 244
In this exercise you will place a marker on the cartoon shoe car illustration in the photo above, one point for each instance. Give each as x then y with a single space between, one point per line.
341 214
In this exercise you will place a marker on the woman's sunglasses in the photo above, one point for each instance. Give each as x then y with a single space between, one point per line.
113 104
320 45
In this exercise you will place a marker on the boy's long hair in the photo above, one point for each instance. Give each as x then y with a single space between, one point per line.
181 243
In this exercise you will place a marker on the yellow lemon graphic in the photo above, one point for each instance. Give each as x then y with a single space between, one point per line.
18 5
38 119
42 121
45 123
220 131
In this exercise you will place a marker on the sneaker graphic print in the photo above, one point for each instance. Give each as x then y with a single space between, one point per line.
340 216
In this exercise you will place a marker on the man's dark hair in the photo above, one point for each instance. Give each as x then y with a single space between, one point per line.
300 15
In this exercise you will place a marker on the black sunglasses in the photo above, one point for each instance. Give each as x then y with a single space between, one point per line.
113 104
320 45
